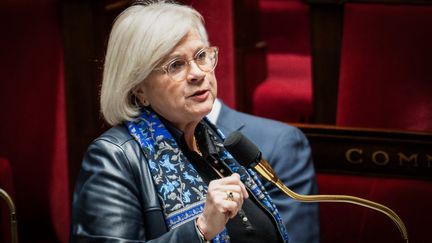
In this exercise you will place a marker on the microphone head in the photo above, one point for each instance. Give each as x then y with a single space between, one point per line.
242 149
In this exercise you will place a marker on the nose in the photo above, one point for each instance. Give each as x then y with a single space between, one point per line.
195 73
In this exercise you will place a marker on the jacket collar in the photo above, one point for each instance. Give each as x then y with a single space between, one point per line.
228 121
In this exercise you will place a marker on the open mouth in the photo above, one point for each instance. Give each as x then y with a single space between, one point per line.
200 92
200 95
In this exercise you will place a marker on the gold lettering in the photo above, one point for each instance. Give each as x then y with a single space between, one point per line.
349 152
384 154
403 158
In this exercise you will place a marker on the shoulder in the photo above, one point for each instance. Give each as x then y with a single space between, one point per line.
117 135
259 125
266 123
114 147
116 138
274 138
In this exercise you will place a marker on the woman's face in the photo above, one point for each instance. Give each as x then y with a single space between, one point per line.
186 101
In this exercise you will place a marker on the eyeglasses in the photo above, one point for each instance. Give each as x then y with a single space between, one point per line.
178 68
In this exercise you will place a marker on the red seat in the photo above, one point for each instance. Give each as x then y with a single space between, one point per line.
286 93
385 79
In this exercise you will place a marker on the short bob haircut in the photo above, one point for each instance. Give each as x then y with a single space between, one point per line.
142 35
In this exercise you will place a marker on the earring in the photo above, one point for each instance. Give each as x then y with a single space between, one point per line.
145 102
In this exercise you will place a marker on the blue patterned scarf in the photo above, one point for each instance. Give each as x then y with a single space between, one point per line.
181 190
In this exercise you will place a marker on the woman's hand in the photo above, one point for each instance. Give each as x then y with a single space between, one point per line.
224 199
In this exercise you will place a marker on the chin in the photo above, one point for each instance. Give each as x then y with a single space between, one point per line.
205 112
205 109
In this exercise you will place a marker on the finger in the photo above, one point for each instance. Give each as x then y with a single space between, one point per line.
229 193
230 208
225 205
235 175
230 196
232 188
236 178
230 180
234 196
244 192
231 183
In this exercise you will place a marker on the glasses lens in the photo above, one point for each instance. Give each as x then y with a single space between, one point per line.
205 59
176 66
176 69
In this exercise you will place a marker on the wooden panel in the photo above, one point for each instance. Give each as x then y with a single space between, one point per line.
86 25
370 151
251 67
326 34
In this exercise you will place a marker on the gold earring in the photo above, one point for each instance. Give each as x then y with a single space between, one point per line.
145 102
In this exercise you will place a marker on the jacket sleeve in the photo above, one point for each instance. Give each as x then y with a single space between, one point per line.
290 158
108 203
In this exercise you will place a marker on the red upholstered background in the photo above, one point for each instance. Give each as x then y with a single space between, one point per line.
385 73
219 19
385 82
32 125
381 67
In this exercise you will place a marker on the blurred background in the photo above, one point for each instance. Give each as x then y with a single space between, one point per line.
353 75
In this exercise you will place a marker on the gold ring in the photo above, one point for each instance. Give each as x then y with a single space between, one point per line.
229 196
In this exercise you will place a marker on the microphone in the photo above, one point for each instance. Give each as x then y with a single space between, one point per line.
248 155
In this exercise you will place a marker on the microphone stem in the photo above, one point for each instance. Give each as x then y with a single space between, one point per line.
13 219
267 172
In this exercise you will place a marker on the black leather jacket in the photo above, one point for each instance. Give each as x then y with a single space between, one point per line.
115 199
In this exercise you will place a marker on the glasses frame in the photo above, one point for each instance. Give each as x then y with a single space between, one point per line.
165 66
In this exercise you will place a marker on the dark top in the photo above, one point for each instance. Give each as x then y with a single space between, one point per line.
241 228
287 150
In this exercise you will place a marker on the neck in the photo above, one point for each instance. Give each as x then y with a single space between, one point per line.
188 130
189 135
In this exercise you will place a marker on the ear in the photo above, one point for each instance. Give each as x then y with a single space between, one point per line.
139 93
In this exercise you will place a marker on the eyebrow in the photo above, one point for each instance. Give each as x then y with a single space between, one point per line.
172 57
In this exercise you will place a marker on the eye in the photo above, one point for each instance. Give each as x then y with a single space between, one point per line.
176 65
201 56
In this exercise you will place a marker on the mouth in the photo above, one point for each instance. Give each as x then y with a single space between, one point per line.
200 95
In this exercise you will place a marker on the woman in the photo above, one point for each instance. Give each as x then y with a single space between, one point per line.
161 173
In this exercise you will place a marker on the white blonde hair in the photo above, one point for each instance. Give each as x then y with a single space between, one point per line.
142 35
